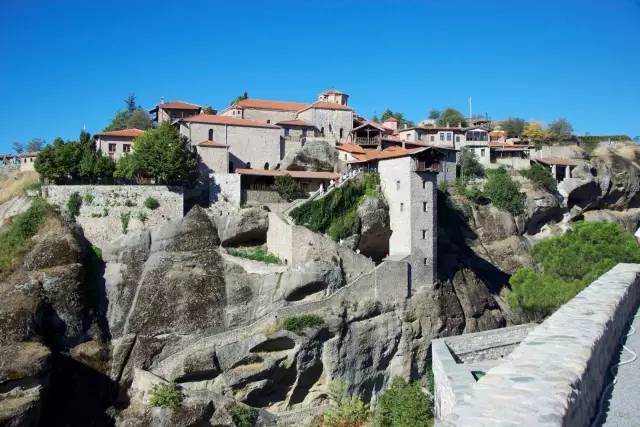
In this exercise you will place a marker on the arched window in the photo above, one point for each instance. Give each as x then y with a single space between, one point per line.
340 133
248 165
322 131
266 166
210 134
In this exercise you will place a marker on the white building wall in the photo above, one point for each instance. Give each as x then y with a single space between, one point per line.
102 144
268 116
213 159
247 145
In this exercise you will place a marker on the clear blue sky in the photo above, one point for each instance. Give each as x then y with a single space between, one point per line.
65 64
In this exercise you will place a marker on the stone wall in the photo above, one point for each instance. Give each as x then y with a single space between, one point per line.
224 188
100 218
556 375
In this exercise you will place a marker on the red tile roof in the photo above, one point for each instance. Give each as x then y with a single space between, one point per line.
295 122
350 148
556 161
391 119
293 174
129 133
266 104
332 92
323 105
210 143
215 119
373 124
388 153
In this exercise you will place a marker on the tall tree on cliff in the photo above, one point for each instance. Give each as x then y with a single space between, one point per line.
133 116
451 117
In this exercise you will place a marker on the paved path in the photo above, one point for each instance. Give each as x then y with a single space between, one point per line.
622 404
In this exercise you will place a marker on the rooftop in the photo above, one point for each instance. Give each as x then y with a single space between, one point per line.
267 104
293 174
176 105
350 148
210 143
372 154
556 161
323 105
295 122
129 133
226 120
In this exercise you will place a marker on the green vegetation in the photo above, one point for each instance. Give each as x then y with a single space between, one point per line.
151 203
337 213
403 405
297 324
160 154
387 114
73 161
513 127
35 144
125 217
165 396
504 192
541 177
258 253
451 117
88 198
74 203
568 263
15 238
590 142
534 132
243 416
142 217
128 203
471 192
132 117
470 167
287 187
344 410
560 130
239 98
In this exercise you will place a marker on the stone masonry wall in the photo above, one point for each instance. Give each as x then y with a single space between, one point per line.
556 375
100 218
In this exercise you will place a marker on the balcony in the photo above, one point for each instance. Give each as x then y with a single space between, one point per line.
427 166
372 141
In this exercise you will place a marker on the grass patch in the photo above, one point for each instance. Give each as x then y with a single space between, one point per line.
15 239
125 217
17 185
243 416
403 404
297 324
256 254
151 203
567 264
165 396
344 410
337 213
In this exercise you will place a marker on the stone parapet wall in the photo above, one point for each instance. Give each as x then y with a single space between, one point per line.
100 218
556 375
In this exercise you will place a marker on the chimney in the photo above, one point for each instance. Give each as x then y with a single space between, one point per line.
447 124
162 100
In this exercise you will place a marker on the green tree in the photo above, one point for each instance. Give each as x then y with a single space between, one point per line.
60 161
34 145
513 126
239 98
403 405
344 410
451 117
470 167
287 187
163 155
131 103
567 263
504 192
560 130
208 110
434 114
541 177
132 116
18 147
387 114
139 119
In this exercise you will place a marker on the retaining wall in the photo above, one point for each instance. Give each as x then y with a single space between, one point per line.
556 375
100 218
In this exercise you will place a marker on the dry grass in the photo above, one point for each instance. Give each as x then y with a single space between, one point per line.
15 185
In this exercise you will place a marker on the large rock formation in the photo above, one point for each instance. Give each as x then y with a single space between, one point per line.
314 155
245 226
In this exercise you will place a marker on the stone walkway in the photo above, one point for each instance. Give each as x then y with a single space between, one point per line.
622 404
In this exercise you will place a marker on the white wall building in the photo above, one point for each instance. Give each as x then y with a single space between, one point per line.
116 143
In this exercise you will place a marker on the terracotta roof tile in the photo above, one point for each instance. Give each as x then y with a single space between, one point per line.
293 174
388 153
130 133
210 143
226 120
271 105
350 148
295 122
178 105
556 161
323 105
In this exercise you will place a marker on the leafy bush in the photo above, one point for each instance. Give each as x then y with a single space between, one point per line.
336 213
297 324
403 405
257 254
504 192
471 192
470 167
151 203
125 217
88 198
15 238
243 416
128 203
142 217
165 396
105 212
568 263
345 410
74 203
287 187
541 177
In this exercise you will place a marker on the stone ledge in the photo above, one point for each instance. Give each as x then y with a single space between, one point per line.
555 376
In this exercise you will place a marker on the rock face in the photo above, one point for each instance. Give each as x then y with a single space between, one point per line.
375 230
246 226
315 155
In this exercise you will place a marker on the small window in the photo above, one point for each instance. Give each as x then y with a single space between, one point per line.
457 138
268 121
424 234
330 129
126 148
286 131
424 183
210 134
441 136
482 152
426 261
424 206
112 148
322 131
345 157
397 185
401 207
248 165
266 166
340 133
449 136
433 138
